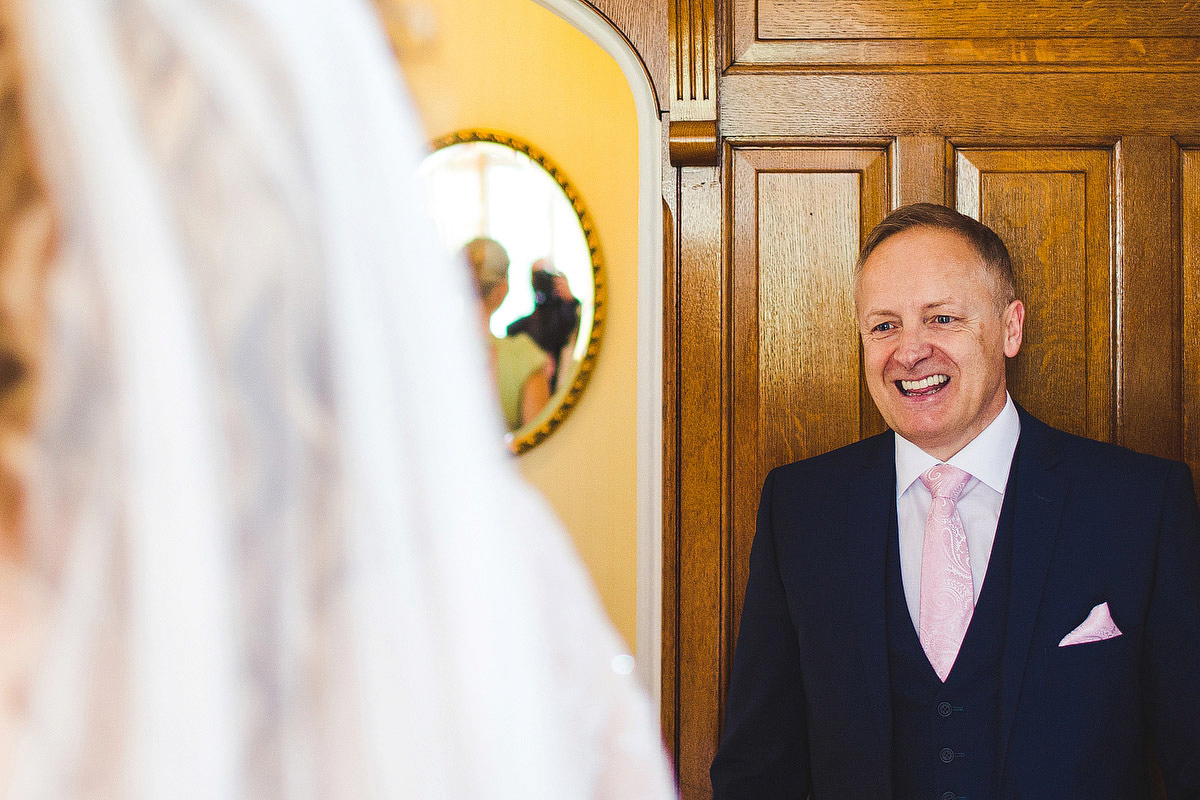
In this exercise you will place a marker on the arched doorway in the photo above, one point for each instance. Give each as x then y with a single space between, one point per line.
650 327
549 72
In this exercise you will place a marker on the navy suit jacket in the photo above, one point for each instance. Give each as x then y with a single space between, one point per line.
809 703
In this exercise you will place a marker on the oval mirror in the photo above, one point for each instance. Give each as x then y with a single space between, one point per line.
511 214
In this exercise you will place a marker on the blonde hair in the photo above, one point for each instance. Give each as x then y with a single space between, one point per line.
489 263
986 242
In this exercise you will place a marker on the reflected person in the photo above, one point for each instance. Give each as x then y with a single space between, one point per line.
522 369
554 321
972 604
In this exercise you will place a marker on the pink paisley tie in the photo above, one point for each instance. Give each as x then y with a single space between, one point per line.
947 589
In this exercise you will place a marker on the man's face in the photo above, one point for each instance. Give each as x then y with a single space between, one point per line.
935 338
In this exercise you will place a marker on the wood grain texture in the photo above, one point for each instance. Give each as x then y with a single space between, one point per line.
1008 55
919 170
1062 262
808 235
694 143
1148 360
798 217
1190 204
1058 129
1013 34
644 26
691 31
1014 105
1008 19
695 138
702 476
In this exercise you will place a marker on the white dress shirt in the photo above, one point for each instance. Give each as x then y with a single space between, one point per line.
988 458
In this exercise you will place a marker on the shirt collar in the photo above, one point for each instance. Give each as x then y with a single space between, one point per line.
987 457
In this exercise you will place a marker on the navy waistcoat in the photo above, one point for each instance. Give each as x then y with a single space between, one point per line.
945 736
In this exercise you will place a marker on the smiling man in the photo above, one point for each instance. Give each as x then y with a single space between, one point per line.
972 605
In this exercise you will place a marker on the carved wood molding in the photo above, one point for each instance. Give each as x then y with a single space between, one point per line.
693 132
693 143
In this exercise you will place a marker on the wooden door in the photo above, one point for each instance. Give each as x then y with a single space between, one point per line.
1073 129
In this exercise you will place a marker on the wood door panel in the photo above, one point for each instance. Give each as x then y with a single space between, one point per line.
1062 262
978 54
1019 34
1190 195
799 217
1009 19
1018 106
1148 362
807 357
1073 129
701 590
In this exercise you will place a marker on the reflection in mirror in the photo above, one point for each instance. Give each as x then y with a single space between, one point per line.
522 229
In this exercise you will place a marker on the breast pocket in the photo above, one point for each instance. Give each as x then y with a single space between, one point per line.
1085 699
1093 674
1085 650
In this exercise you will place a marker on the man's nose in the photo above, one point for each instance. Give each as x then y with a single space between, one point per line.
914 346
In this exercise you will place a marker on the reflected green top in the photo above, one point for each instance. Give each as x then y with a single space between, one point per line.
517 357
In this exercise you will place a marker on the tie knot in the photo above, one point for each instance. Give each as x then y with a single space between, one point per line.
945 481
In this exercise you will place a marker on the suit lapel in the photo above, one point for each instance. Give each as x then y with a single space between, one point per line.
871 503
1038 501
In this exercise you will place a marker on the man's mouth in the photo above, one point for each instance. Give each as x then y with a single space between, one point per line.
923 387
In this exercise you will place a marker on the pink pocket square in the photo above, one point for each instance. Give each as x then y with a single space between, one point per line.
1097 627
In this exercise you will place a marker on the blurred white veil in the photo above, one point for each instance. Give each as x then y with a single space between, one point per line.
284 551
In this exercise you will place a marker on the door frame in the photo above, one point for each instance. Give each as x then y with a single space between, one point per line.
648 644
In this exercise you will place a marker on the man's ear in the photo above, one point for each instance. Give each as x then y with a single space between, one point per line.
1014 324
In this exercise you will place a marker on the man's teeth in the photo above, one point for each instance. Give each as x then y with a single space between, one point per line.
924 383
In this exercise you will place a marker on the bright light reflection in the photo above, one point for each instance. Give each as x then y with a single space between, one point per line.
622 664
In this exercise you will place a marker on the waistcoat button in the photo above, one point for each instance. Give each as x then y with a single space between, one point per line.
945 709
949 796
947 755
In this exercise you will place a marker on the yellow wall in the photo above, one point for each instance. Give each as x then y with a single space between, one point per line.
513 66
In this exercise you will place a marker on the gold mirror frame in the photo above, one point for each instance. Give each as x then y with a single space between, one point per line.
561 402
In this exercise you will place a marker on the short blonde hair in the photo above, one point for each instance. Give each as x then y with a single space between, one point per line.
489 263
985 241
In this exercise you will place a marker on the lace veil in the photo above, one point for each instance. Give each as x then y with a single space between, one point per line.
283 550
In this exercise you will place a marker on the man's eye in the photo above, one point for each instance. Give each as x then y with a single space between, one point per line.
883 327
942 319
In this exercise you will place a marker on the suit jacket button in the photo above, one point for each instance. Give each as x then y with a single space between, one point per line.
945 709
947 755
